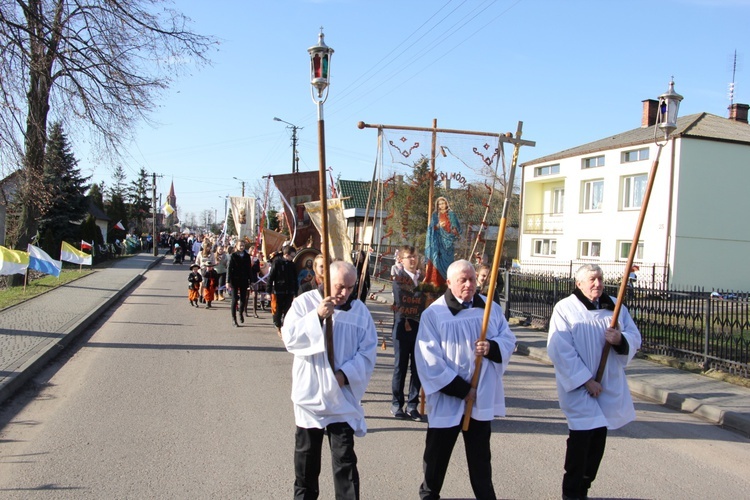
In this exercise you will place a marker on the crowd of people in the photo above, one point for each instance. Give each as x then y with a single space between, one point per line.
440 339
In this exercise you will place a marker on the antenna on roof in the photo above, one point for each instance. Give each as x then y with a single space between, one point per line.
734 73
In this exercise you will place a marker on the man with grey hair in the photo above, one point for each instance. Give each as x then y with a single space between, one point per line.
579 327
447 345
328 399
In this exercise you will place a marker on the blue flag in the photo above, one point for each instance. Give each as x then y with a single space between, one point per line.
40 260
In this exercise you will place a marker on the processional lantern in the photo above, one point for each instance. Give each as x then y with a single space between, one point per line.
320 68
669 105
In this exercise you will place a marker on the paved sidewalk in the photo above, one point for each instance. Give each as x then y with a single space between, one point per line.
719 402
33 332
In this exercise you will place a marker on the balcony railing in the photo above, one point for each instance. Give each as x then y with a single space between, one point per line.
543 224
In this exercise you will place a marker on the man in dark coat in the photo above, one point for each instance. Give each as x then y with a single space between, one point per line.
282 283
408 305
238 276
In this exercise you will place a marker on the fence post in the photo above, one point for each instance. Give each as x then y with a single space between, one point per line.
554 291
706 330
506 293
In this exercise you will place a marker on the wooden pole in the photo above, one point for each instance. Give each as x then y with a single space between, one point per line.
629 264
502 137
324 230
493 272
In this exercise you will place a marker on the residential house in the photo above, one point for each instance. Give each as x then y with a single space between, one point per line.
582 204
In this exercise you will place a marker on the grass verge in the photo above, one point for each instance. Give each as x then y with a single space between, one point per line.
15 295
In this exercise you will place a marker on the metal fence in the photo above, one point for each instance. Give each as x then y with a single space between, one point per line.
648 274
710 328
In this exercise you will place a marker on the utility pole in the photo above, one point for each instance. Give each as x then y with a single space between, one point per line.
154 240
295 158
243 185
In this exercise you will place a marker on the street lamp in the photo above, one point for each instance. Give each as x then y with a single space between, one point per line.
666 120
243 185
320 66
295 158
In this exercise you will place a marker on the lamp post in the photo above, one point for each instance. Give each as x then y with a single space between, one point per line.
243 185
295 158
320 65
666 122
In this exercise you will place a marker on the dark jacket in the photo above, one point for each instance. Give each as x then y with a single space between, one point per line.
195 280
238 270
408 305
283 277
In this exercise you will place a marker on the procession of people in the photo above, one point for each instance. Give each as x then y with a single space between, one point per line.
440 337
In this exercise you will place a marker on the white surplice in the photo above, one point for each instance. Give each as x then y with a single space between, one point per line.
318 399
445 349
574 344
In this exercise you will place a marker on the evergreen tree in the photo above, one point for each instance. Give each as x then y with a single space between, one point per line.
115 205
139 208
66 205
96 194
409 205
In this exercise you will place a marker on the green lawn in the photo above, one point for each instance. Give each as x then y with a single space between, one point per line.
14 295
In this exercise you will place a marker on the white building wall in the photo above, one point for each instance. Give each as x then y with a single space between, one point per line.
612 224
712 230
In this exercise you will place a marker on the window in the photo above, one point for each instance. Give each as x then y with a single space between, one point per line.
545 248
593 194
633 189
635 155
558 198
624 249
547 170
593 162
590 249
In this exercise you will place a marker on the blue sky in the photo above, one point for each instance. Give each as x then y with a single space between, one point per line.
572 70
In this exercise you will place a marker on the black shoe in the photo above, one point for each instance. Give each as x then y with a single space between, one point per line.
400 414
415 415
242 318
234 322
197 304
208 306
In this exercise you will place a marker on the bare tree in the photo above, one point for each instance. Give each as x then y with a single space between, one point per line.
95 65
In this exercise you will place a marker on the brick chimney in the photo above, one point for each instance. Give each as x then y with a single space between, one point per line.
738 112
650 110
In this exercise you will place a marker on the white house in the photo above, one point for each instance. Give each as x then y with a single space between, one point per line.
582 204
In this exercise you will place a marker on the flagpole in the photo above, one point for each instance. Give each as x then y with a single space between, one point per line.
25 279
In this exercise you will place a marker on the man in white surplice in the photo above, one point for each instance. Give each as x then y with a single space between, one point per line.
327 400
579 327
447 346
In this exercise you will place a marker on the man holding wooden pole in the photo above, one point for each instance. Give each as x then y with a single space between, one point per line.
327 397
448 342
579 327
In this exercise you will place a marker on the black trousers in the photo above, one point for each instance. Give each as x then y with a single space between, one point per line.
308 444
239 293
582 458
403 357
437 455
283 303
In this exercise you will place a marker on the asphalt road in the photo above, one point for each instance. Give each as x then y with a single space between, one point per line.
163 400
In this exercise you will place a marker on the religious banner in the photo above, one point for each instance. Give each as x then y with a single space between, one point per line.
243 213
297 189
272 242
340 246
